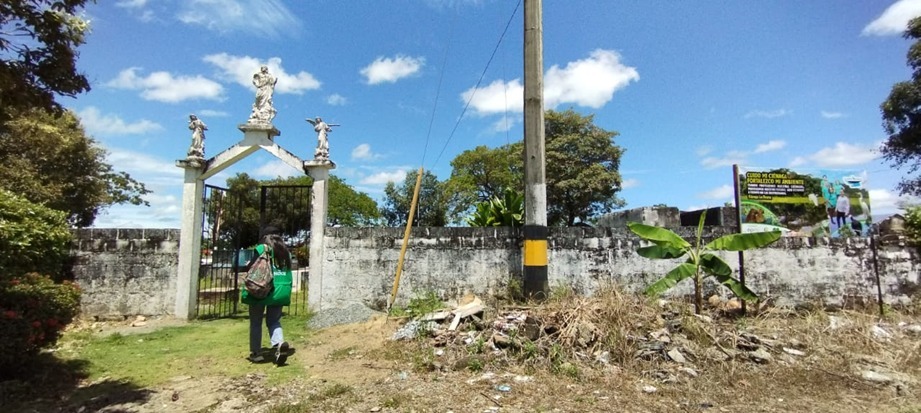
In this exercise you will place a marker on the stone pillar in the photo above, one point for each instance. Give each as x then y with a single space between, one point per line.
319 171
189 239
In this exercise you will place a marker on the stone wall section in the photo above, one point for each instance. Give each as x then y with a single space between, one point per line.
126 272
360 265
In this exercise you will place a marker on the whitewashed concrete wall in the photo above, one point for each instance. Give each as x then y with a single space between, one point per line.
360 266
126 272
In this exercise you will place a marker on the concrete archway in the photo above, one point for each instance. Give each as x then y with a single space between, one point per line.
256 136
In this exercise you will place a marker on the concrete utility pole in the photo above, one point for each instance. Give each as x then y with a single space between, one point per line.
535 188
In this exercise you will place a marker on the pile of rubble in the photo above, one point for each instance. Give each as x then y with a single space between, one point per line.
676 343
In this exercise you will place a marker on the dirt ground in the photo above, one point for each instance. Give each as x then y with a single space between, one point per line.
815 363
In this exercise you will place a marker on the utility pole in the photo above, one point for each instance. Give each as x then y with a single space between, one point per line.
535 188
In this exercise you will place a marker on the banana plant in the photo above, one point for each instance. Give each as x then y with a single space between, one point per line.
700 262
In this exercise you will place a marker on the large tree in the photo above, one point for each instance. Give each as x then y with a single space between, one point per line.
432 206
582 175
48 159
481 174
902 117
582 168
350 208
38 48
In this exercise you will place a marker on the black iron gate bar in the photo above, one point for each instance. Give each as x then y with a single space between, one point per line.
218 287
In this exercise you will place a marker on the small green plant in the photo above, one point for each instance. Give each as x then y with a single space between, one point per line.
475 365
424 304
507 211
529 350
700 261
477 346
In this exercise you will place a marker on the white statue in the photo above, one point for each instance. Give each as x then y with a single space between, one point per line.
321 128
263 109
198 128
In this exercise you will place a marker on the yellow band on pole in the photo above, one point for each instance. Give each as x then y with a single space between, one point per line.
535 252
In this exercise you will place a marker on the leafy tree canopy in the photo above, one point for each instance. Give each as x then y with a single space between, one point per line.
582 175
582 168
239 213
432 208
38 48
902 117
48 159
481 174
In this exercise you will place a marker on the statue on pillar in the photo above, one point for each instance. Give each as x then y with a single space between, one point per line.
263 108
198 128
322 129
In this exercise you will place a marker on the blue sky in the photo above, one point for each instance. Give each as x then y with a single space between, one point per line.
692 87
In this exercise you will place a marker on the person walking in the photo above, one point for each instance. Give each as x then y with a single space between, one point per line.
270 307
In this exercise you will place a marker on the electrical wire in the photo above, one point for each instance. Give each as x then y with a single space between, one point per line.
479 81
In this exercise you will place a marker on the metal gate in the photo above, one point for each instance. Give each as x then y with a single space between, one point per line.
230 227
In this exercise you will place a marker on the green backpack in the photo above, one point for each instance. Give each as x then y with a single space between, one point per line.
258 280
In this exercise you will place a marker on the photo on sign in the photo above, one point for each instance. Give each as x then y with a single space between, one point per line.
825 203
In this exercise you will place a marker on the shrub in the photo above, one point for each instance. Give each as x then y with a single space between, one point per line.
33 312
32 237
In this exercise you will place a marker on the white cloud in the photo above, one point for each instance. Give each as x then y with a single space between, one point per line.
131 4
704 150
770 146
213 113
885 203
336 100
264 18
767 114
831 115
363 152
842 154
383 177
589 82
731 158
496 98
240 69
390 70
164 87
629 183
504 124
276 168
722 192
138 163
894 19
98 124
798 161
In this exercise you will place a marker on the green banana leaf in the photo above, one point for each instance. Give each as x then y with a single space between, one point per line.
659 236
714 265
660 252
673 277
737 287
742 242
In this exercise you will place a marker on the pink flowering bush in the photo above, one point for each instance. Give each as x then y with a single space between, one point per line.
33 312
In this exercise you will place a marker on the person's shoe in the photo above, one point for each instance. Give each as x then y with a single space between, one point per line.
281 353
255 358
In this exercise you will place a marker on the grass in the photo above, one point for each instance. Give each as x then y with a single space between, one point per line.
201 348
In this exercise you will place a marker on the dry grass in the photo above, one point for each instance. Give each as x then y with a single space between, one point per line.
577 331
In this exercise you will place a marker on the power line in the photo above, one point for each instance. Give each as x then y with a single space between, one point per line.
479 81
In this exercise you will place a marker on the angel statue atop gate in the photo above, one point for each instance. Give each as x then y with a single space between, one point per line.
322 129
